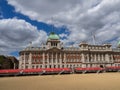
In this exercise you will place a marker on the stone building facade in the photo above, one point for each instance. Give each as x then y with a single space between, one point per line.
54 55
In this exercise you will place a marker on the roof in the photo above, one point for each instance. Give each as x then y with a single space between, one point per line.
53 36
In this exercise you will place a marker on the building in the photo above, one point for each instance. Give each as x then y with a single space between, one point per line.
54 55
8 62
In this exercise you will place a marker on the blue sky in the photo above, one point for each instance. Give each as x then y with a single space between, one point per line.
23 21
8 11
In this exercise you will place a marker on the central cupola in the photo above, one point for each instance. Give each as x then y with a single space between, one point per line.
53 36
53 41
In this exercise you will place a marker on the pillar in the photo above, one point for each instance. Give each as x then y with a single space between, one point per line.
30 60
43 60
64 59
20 62
24 61
83 58
60 60
102 57
48 60
52 61
107 57
56 60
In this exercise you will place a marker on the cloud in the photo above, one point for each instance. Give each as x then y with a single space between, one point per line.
63 35
15 34
81 17
48 8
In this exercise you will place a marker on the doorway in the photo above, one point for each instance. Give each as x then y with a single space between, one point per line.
101 66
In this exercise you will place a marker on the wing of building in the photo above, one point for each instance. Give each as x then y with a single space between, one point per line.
54 55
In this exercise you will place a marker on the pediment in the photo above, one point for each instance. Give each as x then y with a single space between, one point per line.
54 49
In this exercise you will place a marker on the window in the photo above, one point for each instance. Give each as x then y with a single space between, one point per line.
58 66
37 66
22 67
50 66
45 66
40 66
26 67
33 67
67 66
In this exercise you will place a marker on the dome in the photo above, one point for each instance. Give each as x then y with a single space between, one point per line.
53 36
119 43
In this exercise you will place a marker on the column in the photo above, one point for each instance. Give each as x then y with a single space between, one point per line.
20 61
102 57
83 58
106 57
91 57
64 59
111 58
43 60
98 57
75 56
48 63
94 57
60 60
88 58
24 61
56 60
52 60
30 60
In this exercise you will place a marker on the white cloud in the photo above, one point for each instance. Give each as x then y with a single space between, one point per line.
80 16
15 34
47 7
63 35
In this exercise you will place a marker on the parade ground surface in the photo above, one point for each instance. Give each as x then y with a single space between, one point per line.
102 81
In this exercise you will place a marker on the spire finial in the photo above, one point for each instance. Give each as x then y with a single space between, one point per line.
93 36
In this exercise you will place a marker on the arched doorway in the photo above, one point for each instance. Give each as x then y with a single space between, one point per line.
102 66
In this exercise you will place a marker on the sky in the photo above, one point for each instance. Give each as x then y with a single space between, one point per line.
25 21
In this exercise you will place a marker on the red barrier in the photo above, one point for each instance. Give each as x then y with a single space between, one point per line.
114 67
7 71
94 68
32 70
56 69
89 69
80 69
66 69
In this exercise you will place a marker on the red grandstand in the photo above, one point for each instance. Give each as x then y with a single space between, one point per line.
41 71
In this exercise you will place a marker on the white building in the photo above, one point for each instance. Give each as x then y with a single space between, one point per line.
53 55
